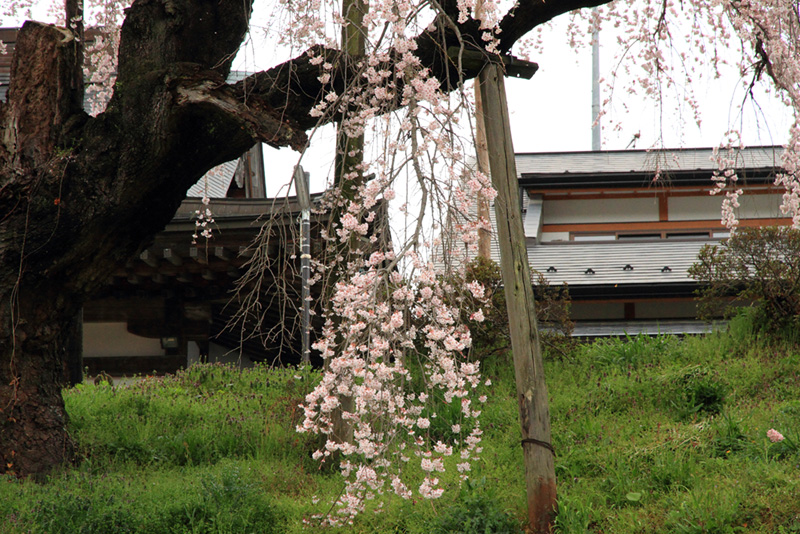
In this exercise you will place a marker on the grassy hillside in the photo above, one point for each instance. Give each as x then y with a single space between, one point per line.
651 434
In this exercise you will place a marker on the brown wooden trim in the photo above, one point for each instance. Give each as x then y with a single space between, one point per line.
629 311
699 225
663 207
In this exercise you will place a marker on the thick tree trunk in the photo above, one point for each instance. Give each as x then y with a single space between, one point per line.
81 195
33 424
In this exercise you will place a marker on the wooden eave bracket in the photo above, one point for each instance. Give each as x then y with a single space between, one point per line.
476 59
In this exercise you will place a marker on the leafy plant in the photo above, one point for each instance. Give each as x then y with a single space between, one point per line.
697 390
553 306
730 437
60 513
760 265
707 512
476 512
574 516
228 504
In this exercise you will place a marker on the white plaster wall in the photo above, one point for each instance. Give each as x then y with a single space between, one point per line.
113 339
554 236
706 207
192 353
576 211
699 208
760 206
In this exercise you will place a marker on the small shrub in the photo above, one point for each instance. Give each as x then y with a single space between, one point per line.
631 352
760 265
552 311
729 438
476 512
697 390
226 505
59 513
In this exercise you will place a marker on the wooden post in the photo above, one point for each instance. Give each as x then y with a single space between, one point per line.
482 152
534 409
349 156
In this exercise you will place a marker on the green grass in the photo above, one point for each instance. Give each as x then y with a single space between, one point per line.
652 435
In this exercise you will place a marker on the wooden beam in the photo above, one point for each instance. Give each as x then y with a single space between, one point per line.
482 150
198 255
700 225
474 59
221 253
171 256
149 258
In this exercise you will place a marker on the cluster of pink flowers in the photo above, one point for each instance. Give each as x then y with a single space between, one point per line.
378 324
772 28
774 436
203 220
724 178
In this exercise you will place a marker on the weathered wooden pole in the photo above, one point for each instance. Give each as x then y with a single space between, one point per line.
348 174
482 153
534 411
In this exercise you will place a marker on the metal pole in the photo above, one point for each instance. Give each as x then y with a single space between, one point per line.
303 197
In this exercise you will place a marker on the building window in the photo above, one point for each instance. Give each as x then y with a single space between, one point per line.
637 237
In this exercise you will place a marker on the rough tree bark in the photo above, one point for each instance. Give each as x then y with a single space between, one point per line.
80 195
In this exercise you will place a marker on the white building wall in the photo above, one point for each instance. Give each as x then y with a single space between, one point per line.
113 339
548 237
760 206
707 207
577 211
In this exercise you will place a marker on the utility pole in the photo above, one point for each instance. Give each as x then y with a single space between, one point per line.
597 142
534 411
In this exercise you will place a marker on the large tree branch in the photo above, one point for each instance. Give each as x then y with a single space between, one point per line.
172 117
531 13
293 88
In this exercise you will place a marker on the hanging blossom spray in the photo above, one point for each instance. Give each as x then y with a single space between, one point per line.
395 342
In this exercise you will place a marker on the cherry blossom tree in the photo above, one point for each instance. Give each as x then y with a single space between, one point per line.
81 193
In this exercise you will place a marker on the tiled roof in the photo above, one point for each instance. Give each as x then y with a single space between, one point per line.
591 329
655 262
217 180
639 161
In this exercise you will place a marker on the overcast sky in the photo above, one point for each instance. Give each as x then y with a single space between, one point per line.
552 111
